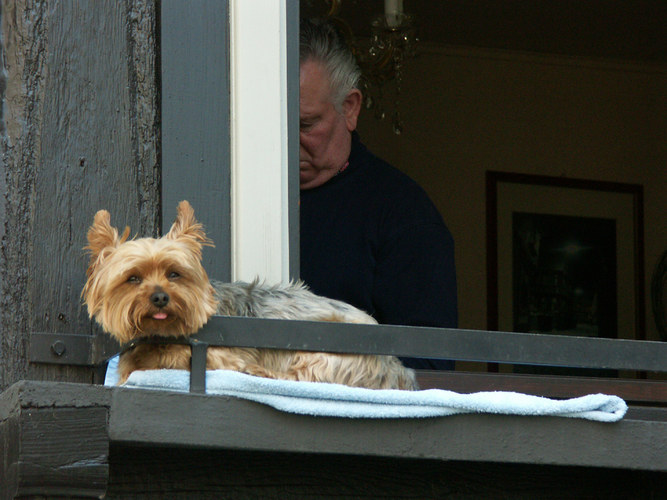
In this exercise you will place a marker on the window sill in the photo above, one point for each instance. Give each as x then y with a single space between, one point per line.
71 428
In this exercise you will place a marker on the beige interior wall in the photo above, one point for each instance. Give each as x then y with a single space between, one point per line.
467 111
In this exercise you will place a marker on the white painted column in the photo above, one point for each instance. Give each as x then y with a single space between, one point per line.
259 215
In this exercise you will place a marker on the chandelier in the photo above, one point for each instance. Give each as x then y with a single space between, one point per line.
381 58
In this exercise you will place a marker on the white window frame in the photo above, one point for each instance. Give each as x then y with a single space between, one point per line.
260 133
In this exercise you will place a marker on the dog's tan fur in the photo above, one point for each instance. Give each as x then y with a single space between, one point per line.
124 277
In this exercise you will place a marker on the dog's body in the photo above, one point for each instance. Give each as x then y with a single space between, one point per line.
152 286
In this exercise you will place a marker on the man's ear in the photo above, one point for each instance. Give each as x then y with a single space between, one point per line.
351 108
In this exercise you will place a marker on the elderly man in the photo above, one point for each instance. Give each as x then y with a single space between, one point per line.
369 234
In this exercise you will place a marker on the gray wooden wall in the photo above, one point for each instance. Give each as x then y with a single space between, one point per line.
79 132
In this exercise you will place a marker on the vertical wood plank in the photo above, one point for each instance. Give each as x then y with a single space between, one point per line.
24 48
293 72
195 120
79 135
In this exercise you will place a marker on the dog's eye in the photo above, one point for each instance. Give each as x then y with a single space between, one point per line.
173 275
134 279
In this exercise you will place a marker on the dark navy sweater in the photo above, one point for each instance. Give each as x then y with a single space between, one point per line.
372 237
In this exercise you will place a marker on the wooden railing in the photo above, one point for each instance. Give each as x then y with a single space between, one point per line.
640 357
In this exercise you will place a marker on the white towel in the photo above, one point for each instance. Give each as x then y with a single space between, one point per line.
334 400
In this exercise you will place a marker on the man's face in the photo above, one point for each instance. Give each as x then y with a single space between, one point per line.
324 132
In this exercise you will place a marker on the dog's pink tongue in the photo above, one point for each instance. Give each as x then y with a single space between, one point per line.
160 315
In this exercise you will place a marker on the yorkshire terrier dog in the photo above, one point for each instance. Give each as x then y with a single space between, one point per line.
157 286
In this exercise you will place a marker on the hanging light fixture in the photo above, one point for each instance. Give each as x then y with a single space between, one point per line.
393 40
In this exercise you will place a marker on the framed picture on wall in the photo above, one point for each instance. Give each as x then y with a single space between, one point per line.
565 256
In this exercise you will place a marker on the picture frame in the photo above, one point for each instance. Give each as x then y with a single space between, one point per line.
565 256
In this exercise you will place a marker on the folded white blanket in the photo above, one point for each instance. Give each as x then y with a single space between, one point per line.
333 400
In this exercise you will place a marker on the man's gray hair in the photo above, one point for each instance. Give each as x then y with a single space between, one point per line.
320 41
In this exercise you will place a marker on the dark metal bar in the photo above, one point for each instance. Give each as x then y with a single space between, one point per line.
198 367
463 345
71 349
104 347
60 348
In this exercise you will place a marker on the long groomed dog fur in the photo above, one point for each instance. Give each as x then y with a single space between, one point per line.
157 286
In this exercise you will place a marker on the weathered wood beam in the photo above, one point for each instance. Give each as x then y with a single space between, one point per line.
79 133
53 449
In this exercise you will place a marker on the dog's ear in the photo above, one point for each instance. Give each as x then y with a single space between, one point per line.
187 228
102 236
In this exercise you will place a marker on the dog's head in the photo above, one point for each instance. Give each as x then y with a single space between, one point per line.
148 286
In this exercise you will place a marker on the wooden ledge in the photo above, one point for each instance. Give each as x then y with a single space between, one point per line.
60 435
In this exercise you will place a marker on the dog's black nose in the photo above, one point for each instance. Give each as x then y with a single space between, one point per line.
160 299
